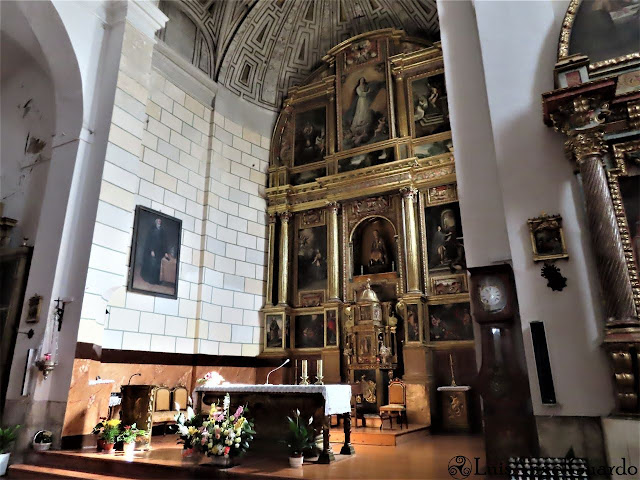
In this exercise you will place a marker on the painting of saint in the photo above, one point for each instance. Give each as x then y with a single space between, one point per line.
155 253
444 238
413 323
274 331
310 144
430 109
308 331
605 29
312 258
450 322
364 107
364 160
332 328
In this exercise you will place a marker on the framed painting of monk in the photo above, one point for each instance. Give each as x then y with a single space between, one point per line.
155 254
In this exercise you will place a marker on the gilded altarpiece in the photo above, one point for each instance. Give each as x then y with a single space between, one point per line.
366 259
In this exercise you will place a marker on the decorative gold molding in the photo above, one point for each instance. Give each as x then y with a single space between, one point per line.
583 145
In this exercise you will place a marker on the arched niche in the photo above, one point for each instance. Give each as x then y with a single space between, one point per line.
374 246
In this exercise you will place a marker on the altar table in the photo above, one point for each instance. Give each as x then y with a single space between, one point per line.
325 400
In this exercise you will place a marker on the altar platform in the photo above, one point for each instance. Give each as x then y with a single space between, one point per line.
385 437
426 457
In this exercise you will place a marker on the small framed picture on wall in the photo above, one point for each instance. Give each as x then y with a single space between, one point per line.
155 254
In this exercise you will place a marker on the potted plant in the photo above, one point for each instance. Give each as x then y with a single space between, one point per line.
128 437
42 441
7 437
110 434
97 430
301 438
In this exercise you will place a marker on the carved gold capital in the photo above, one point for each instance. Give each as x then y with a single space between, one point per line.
409 193
580 113
285 216
333 207
585 144
272 218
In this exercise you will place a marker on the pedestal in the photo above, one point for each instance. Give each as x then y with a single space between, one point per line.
455 408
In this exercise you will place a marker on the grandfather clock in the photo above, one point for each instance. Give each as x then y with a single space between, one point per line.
509 424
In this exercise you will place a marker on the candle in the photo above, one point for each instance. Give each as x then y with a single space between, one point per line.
319 369
304 368
361 270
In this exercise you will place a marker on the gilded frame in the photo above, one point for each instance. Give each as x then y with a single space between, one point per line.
550 222
436 137
620 154
285 332
335 309
307 106
307 219
445 300
565 37
409 100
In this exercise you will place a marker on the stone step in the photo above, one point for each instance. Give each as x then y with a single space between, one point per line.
21 470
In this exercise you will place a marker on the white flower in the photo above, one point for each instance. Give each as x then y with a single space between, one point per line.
237 445
227 401
190 413
231 435
183 430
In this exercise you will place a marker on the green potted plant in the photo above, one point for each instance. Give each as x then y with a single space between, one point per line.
7 437
42 441
110 434
97 430
128 436
301 438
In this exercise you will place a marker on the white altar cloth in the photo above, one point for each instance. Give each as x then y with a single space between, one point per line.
337 398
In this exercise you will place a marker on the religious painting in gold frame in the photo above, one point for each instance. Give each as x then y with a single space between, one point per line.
433 145
547 238
275 331
449 321
624 183
412 313
363 107
331 328
428 111
308 329
310 138
448 284
310 254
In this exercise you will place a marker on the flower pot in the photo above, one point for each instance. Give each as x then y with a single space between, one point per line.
41 447
109 447
4 463
100 445
296 462
221 461
129 448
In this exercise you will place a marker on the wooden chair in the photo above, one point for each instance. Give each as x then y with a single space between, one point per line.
163 414
180 396
397 406
356 403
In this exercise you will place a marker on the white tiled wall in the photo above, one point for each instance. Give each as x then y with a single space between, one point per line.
169 152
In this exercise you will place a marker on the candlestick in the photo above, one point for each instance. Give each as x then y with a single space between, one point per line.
453 378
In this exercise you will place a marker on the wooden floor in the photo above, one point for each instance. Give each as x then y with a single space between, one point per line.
424 457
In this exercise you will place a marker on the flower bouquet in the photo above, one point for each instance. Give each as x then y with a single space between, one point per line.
221 435
128 436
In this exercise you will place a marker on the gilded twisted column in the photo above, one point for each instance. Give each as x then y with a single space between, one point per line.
588 149
271 238
411 239
283 284
333 266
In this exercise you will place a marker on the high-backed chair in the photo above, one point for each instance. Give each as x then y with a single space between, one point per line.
180 398
163 414
397 406
356 403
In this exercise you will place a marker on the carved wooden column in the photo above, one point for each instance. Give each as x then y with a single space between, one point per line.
271 236
333 248
283 284
411 239
588 150
403 131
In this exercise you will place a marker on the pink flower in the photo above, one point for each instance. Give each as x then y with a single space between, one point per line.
239 411
203 441
226 450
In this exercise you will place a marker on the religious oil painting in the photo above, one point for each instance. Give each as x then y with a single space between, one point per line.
155 254
367 159
630 190
312 258
364 109
429 103
432 149
445 248
331 328
374 247
547 238
274 332
450 322
360 53
308 331
310 135
605 29
306 176
413 323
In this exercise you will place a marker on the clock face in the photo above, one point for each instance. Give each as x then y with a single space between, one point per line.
492 295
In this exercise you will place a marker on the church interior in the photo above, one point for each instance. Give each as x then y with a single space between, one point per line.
365 239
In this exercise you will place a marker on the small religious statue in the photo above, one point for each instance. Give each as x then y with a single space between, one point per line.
378 254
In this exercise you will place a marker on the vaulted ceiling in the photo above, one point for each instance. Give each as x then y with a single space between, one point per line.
260 48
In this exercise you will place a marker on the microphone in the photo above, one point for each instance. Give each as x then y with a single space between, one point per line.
278 368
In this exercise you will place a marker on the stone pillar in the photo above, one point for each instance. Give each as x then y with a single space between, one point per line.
333 265
271 236
411 240
283 284
588 149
